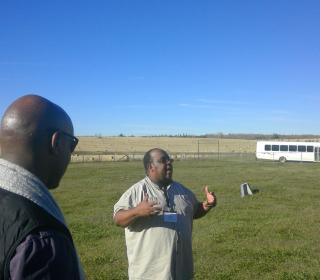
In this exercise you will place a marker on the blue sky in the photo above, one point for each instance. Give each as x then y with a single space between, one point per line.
142 67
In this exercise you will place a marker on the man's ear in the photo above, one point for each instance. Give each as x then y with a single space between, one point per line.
55 142
150 167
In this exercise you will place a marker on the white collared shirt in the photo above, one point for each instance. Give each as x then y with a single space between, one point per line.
158 249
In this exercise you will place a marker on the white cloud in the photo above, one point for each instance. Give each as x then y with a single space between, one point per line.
221 101
196 106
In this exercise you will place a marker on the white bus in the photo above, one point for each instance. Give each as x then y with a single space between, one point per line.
283 151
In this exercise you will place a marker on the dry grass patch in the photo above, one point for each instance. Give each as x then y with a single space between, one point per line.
171 144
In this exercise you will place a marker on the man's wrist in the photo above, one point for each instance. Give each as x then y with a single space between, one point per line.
207 206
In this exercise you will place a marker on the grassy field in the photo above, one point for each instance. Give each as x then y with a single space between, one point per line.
271 235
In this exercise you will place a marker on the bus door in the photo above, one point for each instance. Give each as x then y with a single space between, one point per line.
316 153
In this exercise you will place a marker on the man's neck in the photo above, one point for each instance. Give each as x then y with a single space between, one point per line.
161 184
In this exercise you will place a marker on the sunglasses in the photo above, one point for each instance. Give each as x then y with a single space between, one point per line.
164 160
74 140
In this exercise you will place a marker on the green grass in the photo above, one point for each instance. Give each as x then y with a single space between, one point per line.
272 235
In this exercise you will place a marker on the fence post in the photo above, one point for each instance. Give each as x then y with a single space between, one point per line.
198 149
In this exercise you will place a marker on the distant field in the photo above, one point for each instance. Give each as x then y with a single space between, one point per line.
171 144
271 235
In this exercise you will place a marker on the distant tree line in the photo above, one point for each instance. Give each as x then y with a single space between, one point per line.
248 136
253 136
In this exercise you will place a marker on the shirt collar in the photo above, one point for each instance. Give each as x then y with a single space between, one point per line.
156 185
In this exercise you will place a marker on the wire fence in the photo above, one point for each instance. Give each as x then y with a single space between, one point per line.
100 149
138 156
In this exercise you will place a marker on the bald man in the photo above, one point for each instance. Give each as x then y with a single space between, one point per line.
36 138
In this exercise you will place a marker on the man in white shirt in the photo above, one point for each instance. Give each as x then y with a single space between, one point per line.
157 214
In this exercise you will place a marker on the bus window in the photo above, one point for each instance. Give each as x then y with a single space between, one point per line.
301 148
267 147
292 148
310 149
275 147
283 148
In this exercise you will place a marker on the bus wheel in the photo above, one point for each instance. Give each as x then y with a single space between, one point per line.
282 159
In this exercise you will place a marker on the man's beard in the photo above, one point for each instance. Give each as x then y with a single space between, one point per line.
165 182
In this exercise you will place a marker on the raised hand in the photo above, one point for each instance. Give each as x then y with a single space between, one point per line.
211 198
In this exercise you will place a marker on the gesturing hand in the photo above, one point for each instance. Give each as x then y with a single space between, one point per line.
146 207
211 198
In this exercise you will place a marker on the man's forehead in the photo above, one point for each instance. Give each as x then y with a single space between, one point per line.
159 154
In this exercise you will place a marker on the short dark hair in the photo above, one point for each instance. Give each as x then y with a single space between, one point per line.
147 159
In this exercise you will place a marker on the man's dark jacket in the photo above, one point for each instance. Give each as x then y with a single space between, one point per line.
20 217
